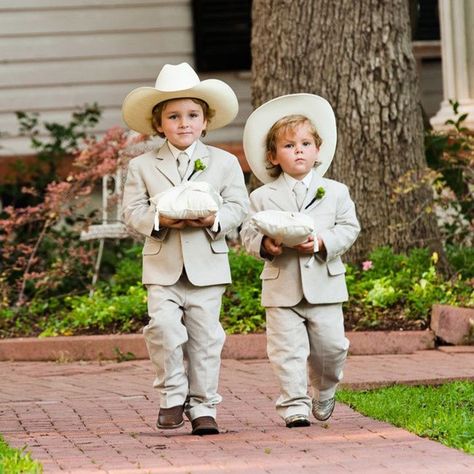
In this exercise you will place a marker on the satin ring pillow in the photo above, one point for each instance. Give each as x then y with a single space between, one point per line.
189 200
288 228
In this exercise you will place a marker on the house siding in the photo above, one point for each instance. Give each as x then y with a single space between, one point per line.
56 55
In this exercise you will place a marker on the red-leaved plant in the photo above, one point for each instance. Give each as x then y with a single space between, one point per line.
40 250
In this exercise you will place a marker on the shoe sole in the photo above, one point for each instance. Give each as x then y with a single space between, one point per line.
205 431
299 424
168 427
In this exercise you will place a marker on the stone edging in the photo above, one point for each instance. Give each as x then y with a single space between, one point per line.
237 346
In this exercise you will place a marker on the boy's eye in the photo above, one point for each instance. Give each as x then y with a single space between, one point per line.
172 117
288 145
306 143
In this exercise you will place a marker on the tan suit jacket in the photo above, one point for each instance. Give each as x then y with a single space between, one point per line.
292 275
201 252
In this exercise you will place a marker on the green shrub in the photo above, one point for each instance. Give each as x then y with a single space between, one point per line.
394 291
241 309
462 260
405 283
100 314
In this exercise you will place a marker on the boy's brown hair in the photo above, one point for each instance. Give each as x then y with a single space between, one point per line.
285 124
158 110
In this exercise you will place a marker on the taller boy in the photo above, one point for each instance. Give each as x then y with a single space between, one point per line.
185 263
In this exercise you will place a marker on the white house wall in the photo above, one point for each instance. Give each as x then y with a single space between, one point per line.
56 55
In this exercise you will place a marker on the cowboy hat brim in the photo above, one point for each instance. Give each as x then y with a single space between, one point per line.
138 105
314 107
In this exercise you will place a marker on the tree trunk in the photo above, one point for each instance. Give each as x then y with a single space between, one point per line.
358 56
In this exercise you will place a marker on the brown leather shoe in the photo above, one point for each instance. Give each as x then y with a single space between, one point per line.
204 425
170 418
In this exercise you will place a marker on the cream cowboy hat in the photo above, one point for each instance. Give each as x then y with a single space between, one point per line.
317 109
176 82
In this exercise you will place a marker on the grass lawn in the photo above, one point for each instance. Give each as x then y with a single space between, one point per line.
16 461
444 413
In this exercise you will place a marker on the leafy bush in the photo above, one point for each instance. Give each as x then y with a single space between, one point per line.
390 291
461 260
100 313
405 284
241 309
451 155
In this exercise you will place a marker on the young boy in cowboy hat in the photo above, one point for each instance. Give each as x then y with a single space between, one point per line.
185 264
289 143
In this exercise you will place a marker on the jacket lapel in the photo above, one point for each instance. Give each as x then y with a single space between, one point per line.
311 201
281 195
201 153
166 164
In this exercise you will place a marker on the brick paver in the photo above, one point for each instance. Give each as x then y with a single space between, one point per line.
100 417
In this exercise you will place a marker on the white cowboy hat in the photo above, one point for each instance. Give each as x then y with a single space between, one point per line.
317 109
176 82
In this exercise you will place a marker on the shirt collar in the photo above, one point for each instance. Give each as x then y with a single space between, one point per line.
176 151
292 181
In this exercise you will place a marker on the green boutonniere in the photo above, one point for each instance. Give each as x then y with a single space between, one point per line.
199 165
320 192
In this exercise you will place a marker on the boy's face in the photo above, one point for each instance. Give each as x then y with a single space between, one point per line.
182 122
296 151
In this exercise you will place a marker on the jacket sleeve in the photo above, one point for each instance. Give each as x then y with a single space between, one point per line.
340 238
250 235
235 199
137 212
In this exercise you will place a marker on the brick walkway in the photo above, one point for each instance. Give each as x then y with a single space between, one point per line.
99 417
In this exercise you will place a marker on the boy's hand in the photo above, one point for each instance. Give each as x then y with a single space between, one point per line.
172 223
272 247
202 222
307 246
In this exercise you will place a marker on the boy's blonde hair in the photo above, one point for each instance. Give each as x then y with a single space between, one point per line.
285 124
158 110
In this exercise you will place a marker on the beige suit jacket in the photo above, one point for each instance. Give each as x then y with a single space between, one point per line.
292 275
201 252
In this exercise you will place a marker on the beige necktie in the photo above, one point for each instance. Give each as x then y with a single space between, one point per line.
300 193
183 162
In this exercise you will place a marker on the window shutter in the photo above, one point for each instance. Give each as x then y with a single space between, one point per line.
427 28
222 30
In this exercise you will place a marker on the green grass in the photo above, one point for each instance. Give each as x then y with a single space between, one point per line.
443 413
16 461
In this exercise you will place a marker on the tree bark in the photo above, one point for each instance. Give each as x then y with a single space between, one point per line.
358 55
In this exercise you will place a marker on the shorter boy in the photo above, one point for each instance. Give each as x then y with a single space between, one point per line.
185 263
303 286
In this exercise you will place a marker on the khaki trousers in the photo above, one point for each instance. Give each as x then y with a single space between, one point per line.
301 337
184 339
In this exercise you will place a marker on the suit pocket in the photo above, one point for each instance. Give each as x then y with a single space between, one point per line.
270 272
219 246
151 247
336 267
324 221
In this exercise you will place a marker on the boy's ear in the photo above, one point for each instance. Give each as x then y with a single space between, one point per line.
271 158
204 128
